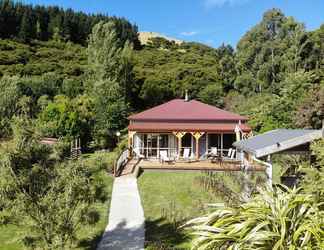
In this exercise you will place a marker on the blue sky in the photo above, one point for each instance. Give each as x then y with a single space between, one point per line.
212 22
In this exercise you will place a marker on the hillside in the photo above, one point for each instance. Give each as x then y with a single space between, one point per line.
58 82
37 58
145 37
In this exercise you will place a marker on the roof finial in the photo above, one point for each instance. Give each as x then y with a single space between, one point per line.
186 96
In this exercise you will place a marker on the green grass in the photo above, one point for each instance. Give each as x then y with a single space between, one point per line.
88 236
169 199
8 238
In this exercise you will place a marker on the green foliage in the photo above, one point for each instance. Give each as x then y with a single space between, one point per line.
51 199
166 73
28 22
103 160
110 76
275 75
66 60
310 112
274 219
111 112
160 42
313 175
212 94
68 117
274 47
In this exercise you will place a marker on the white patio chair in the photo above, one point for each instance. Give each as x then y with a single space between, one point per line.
213 151
186 153
164 157
231 155
187 156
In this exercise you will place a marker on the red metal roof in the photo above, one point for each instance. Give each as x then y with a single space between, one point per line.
181 110
186 126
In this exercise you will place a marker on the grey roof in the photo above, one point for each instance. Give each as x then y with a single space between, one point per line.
277 140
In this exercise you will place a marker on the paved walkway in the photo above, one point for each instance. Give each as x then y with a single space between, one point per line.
126 218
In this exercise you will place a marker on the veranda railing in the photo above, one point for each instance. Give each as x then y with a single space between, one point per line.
121 162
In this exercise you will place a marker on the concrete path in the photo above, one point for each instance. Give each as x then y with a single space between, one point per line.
126 218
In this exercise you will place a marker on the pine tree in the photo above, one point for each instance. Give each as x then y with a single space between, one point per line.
25 32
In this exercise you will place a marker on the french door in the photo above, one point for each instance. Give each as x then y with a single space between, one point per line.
152 145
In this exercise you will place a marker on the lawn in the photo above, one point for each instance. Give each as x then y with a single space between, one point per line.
88 236
169 199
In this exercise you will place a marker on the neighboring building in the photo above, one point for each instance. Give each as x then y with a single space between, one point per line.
260 148
180 124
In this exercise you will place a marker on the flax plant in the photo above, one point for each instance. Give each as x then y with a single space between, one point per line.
274 219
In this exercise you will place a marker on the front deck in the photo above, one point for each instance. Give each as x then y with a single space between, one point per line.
202 165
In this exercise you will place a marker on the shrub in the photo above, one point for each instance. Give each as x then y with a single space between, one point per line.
274 219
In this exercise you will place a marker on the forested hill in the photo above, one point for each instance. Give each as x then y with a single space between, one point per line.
72 79
27 22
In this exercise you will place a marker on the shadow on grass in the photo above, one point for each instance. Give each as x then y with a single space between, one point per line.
92 243
160 234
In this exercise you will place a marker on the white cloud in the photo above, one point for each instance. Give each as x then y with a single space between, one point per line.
189 33
221 3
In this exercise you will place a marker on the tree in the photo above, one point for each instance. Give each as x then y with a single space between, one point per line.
26 31
213 94
49 198
110 76
270 49
310 110
111 112
66 117
10 93
226 66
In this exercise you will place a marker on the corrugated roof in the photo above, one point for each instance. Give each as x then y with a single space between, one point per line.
181 110
186 126
277 140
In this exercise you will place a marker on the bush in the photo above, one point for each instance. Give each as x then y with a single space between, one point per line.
102 160
50 199
274 219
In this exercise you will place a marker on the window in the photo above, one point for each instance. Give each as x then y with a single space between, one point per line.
228 140
214 140
163 141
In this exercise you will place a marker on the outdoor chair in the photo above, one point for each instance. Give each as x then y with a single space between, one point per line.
186 155
213 151
231 156
164 157
213 154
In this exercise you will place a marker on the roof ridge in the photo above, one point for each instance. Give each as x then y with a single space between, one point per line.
211 106
179 109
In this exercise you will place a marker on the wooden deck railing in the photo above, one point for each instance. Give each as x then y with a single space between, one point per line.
121 162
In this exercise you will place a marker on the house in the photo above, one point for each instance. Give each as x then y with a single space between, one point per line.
184 124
